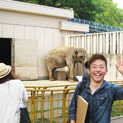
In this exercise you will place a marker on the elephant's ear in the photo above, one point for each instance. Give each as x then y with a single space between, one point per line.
75 52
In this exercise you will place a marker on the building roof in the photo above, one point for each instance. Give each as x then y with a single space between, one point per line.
35 9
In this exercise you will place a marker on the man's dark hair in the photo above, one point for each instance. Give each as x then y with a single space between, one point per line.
95 57
86 64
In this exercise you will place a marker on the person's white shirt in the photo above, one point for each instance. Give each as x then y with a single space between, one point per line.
12 95
79 78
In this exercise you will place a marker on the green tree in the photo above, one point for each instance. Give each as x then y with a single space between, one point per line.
110 15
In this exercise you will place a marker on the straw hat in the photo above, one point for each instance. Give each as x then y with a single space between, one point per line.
4 70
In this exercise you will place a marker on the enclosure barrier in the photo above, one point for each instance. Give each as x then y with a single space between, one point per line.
106 42
50 104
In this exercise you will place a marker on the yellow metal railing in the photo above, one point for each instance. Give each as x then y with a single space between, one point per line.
50 104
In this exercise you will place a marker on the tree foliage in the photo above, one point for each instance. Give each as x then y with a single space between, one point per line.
101 11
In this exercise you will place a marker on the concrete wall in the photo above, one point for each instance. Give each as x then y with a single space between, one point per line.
113 74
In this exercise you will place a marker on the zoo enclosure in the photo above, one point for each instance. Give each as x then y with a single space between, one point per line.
50 104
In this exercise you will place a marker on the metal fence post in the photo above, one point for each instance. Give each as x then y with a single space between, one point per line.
51 108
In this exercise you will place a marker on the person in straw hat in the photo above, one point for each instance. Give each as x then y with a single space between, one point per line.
12 95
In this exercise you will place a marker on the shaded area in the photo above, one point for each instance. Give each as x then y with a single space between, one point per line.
5 50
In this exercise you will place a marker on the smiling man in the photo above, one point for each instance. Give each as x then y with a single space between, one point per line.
98 93
97 70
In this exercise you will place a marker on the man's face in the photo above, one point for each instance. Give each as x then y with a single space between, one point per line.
97 70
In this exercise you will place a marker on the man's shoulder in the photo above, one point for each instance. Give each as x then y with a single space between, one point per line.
108 84
79 83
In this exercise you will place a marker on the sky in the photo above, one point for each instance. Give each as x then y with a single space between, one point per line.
119 3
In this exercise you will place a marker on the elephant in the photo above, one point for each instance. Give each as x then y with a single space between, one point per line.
64 56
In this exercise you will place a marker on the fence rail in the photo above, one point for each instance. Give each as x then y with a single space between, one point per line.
50 104
106 43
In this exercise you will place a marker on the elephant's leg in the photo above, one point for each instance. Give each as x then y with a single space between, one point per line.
71 72
50 69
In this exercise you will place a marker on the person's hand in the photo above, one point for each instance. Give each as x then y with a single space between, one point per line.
119 66
72 121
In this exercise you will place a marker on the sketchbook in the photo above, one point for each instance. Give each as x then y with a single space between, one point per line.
82 107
